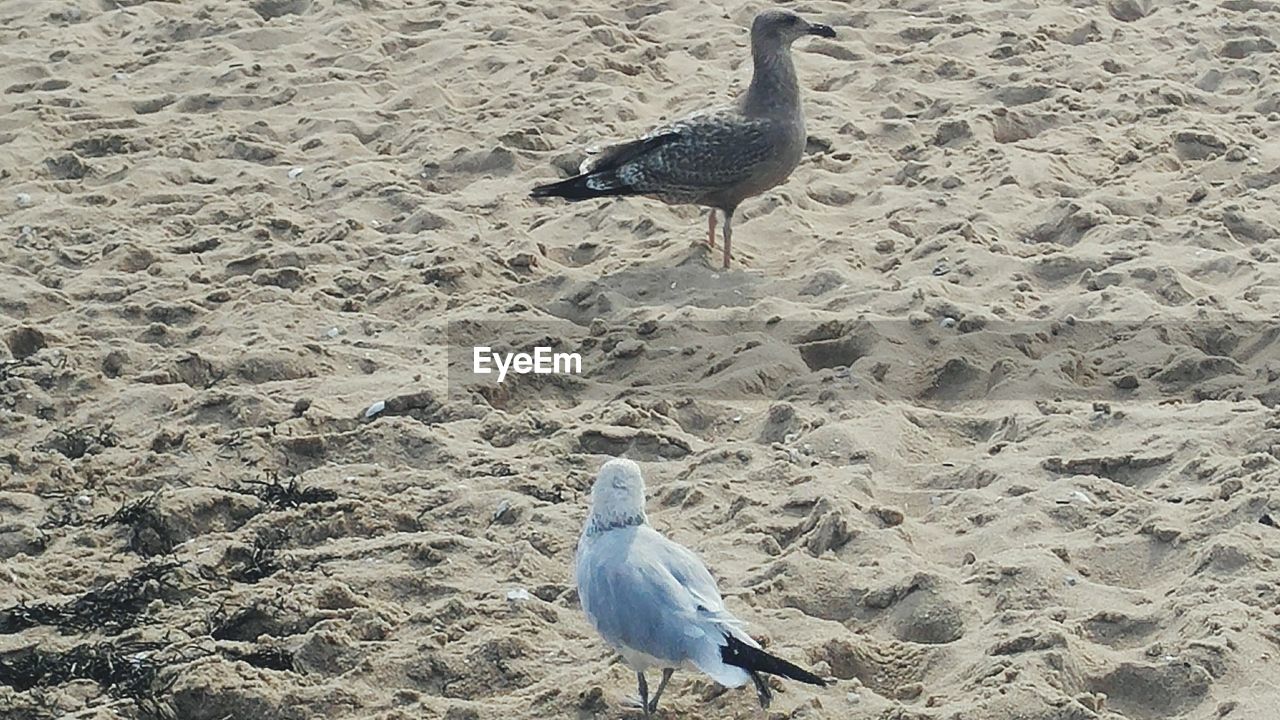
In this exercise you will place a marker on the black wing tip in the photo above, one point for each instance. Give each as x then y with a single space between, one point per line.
579 187
737 653
573 188
804 676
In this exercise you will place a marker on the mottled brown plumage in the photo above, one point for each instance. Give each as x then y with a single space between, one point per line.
714 158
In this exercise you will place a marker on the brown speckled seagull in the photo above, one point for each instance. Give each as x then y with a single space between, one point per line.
714 158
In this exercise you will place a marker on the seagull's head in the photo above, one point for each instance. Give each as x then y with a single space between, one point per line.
784 27
618 493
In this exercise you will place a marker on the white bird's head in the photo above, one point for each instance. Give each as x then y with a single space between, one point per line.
783 27
617 497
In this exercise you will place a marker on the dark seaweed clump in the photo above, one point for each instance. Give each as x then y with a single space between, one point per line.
261 560
150 534
288 494
127 669
76 442
111 608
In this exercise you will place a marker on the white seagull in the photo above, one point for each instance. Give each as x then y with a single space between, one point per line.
655 602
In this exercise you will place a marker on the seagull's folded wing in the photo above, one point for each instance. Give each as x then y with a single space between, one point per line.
655 597
700 154
618 154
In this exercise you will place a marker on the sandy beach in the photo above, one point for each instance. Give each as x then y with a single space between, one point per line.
983 423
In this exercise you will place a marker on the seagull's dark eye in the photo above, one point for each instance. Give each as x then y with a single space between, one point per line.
793 19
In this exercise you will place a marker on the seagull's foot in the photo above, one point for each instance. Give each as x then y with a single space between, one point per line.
631 702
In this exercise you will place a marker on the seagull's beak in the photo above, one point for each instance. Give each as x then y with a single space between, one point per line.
825 31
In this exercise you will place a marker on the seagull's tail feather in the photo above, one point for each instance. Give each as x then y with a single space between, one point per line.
583 187
753 659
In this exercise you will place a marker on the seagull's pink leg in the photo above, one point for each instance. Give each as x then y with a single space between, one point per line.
711 229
